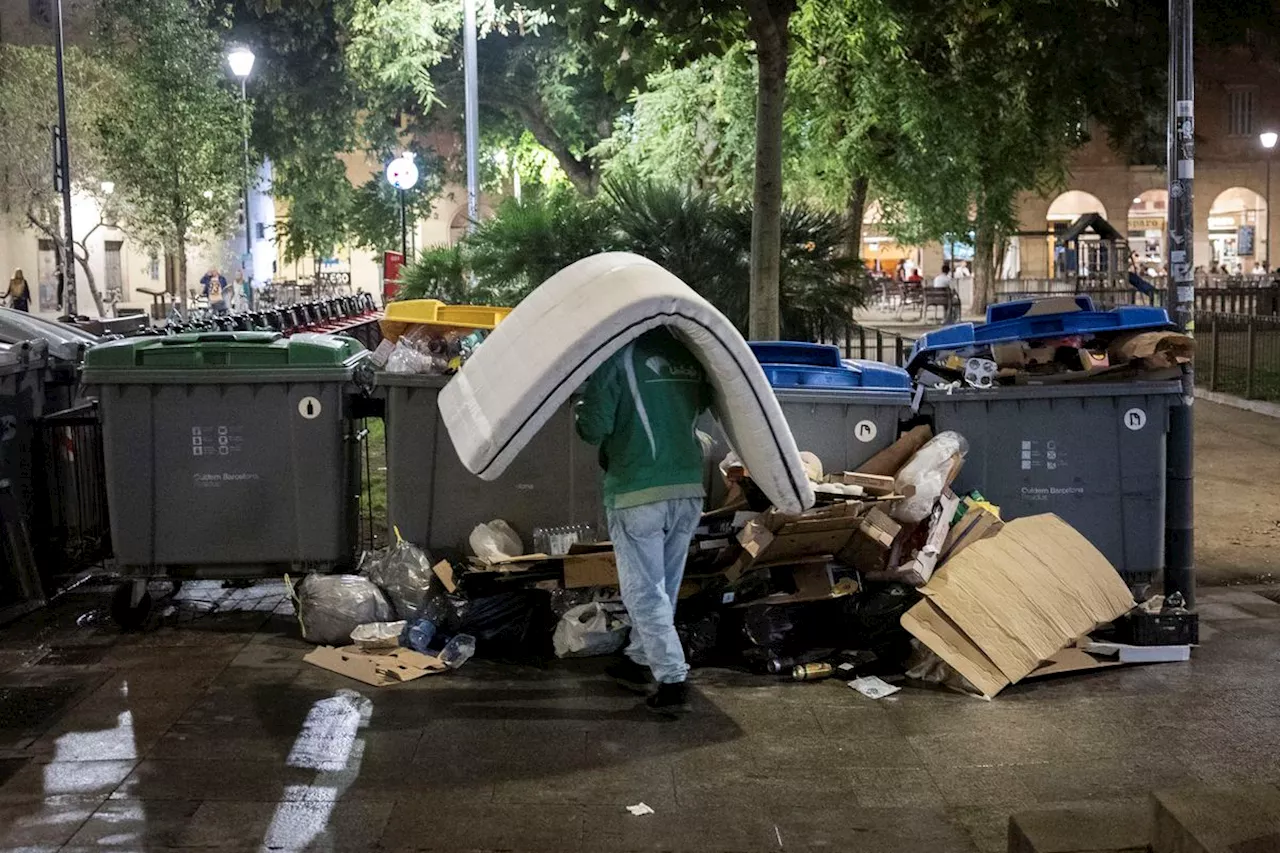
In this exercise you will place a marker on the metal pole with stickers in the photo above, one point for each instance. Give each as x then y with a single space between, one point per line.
1179 543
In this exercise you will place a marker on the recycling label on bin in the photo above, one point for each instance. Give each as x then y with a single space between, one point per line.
1135 419
865 431
309 408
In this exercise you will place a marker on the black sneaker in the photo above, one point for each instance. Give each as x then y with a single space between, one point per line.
670 700
631 675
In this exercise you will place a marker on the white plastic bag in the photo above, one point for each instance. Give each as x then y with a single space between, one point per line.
588 630
495 541
927 474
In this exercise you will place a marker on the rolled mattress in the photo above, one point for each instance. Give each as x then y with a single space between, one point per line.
553 341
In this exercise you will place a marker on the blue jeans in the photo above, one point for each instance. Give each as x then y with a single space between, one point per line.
651 542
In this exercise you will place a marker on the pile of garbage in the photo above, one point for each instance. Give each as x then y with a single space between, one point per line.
432 352
1049 341
393 621
892 577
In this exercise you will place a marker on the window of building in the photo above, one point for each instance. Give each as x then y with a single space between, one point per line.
1241 110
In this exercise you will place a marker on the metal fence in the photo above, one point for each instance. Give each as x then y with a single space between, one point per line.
1238 354
875 344
71 530
1259 296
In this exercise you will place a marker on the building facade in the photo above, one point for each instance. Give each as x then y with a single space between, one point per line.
1237 99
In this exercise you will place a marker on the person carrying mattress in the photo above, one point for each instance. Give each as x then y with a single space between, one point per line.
641 408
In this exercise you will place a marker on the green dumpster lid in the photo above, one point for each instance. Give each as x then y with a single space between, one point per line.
225 350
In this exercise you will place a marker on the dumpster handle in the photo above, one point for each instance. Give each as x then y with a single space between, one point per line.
208 338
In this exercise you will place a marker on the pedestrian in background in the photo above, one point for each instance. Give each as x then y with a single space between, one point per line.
641 408
214 286
19 293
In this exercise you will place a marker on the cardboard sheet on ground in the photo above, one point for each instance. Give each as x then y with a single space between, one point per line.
379 670
1005 604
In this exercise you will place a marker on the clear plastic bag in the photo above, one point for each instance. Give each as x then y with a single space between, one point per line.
404 574
375 636
330 607
927 474
495 541
589 630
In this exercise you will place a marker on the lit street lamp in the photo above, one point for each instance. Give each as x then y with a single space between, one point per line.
402 173
1268 140
241 62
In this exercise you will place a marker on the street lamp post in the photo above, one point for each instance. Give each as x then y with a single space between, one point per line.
471 109
402 173
241 62
1268 140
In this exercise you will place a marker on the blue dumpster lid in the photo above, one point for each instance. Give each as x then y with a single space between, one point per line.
851 375
796 364
795 352
1016 321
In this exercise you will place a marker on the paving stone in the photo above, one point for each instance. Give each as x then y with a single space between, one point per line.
1103 828
1243 819
136 824
628 781
289 826
34 824
831 826
208 780
678 829
454 826
65 781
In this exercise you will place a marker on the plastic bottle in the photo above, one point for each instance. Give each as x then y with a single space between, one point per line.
418 634
458 650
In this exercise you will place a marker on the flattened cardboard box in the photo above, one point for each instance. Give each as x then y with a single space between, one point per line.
379 670
1007 603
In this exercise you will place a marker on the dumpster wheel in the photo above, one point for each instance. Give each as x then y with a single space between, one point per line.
130 610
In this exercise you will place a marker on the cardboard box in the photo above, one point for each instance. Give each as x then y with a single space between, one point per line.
868 548
774 538
875 485
1012 354
378 670
813 581
592 568
1153 349
1005 604
888 461
977 523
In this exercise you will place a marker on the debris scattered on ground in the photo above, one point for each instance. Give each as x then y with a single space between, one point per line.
640 810
873 687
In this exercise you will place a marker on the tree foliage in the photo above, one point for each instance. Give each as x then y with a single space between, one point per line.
28 114
178 154
701 238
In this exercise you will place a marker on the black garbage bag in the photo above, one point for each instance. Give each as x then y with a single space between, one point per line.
873 622
514 626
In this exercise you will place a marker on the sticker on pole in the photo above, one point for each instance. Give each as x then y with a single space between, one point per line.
309 408
865 431
1135 419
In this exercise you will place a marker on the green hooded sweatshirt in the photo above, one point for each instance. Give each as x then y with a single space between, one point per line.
641 407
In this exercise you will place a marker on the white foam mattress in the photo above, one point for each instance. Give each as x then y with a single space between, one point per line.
553 341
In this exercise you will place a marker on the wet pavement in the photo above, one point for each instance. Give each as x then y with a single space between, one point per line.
212 733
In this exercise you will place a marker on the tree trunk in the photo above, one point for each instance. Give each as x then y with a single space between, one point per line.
83 261
984 263
582 172
854 210
180 273
768 27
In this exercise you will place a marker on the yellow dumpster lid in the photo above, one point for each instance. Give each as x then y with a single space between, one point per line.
399 316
